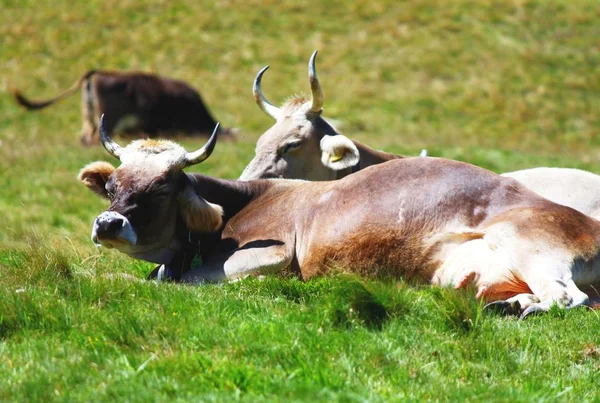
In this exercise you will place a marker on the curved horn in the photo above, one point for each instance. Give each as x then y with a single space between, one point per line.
315 87
113 148
203 153
261 101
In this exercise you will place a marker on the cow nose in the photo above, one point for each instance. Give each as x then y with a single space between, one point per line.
111 226
108 224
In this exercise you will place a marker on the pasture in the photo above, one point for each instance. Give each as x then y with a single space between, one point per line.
504 85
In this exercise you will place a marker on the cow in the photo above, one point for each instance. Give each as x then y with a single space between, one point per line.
435 220
575 188
134 102
302 144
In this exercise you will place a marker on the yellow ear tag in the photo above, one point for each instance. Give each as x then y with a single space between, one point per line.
335 158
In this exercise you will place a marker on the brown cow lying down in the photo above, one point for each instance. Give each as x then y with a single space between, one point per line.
134 102
435 220
302 145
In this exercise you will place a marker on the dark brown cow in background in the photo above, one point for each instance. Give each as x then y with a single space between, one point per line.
134 102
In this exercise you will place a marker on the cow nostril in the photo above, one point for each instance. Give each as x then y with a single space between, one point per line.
109 226
115 224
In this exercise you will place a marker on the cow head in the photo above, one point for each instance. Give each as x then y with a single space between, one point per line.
301 144
151 198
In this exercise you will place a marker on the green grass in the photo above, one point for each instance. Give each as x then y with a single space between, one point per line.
505 85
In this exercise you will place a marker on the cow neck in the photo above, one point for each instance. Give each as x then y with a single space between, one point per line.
182 261
368 157
232 195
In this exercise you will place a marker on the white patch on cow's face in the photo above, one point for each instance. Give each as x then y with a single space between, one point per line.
123 237
163 154
159 253
112 229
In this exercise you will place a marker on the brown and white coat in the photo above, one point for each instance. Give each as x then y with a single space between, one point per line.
303 145
438 221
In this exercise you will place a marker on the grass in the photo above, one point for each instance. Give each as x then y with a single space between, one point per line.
505 85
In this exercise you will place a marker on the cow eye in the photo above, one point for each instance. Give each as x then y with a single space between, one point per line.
159 190
110 192
291 146
161 194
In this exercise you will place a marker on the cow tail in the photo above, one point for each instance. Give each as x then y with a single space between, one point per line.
35 105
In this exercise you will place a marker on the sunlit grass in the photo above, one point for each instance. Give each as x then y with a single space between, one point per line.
505 85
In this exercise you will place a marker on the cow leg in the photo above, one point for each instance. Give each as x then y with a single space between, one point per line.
513 305
566 295
87 114
241 263
543 266
522 275
476 263
548 273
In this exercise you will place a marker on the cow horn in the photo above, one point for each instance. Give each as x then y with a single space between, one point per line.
261 101
113 148
315 87
203 153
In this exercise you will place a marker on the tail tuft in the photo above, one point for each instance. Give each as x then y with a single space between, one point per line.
35 105
26 103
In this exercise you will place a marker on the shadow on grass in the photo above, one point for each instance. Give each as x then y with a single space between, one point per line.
351 303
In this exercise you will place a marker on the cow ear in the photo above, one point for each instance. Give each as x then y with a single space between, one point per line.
198 214
338 152
95 175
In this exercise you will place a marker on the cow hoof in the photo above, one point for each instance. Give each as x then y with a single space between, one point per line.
163 274
503 307
533 310
154 273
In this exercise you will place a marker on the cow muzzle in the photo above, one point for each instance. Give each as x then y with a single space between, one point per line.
111 228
